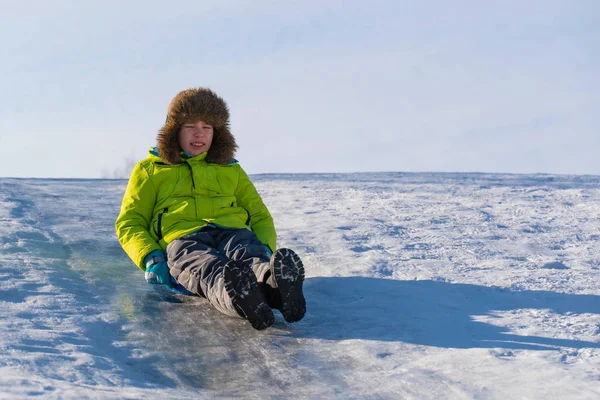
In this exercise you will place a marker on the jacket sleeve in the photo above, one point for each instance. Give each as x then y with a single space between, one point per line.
135 218
261 221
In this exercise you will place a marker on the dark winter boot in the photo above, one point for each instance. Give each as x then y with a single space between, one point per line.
286 279
242 288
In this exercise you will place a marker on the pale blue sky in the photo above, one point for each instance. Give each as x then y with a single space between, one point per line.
313 86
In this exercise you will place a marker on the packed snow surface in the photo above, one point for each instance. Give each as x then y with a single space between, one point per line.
418 286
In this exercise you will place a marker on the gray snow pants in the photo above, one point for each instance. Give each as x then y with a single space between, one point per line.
196 261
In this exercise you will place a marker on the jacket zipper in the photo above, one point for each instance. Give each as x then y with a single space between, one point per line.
193 186
248 219
159 224
191 174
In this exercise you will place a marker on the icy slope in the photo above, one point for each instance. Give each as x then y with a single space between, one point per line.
418 286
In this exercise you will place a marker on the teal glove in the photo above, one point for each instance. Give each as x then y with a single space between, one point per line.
158 273
268 250
157 270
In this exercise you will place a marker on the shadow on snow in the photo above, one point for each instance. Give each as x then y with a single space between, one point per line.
429 313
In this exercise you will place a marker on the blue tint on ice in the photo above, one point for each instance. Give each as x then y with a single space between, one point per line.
412 279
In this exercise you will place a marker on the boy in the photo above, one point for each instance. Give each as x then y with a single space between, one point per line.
192 219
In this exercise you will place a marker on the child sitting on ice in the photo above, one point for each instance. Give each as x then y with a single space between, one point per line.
191 218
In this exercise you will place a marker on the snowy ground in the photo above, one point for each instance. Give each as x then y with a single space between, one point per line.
419 286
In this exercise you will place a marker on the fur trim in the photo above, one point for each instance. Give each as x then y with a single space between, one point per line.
192 105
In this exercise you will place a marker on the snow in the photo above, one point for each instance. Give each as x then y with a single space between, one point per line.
419 286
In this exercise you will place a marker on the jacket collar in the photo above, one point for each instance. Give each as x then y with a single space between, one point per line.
153 152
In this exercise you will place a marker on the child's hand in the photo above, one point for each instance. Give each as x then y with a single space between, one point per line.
158 273
157 270
268 250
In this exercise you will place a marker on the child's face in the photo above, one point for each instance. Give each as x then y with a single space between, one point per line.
195 138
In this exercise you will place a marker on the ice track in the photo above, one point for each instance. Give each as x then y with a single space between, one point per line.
420 286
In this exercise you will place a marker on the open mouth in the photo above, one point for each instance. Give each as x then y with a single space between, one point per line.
197 144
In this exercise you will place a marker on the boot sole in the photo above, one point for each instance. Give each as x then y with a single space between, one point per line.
288 272
242 288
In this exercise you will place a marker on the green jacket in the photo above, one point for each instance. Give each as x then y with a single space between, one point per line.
164 202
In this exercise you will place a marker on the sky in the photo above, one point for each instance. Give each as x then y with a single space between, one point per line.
312 86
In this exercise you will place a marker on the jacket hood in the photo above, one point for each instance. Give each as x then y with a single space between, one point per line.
192 105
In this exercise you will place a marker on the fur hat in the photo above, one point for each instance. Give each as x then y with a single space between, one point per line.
192 105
